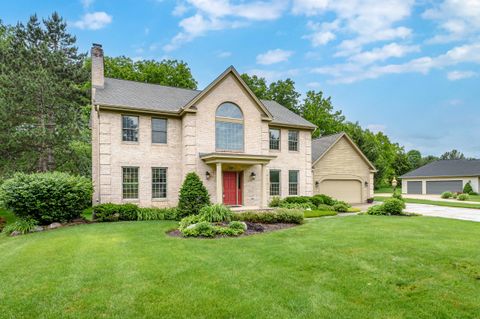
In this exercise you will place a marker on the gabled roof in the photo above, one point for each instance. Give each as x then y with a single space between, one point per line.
446 168
145 97
321 146
229 71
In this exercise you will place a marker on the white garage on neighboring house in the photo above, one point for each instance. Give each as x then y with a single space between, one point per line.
341 170
441 176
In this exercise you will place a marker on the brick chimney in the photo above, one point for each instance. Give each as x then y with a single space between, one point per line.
97 66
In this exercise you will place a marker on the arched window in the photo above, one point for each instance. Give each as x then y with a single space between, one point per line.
229 128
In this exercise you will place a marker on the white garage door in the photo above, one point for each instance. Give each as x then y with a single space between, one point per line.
349 191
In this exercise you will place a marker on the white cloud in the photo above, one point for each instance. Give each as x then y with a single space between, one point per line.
392 50
349 73
272 75
94 21
460 75
180 9
274 56
224 54
459 19
211 15
87 3
322 33
314 85
375 128
368 20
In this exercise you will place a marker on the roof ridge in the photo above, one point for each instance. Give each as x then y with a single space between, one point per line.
329 135
155 84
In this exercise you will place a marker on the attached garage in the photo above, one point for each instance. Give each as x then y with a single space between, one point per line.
414 187
341 170
442 176
349 191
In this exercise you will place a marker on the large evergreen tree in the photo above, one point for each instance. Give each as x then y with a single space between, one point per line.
42 91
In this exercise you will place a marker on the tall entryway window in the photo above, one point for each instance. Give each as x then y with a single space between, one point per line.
229 128
233 188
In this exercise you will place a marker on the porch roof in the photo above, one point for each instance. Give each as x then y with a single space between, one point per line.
236 158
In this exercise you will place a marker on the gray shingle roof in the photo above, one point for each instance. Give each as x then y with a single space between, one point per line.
156 97
322 144
143 95
282 115
447 168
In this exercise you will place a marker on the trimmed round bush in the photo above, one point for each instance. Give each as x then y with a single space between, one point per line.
193 196
326 207
340 207
325 199
462 197
393 206
397 195
376 210
446 195
47 197
109 212
297 199
215 213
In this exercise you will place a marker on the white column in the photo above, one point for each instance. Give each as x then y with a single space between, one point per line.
218 177
262 187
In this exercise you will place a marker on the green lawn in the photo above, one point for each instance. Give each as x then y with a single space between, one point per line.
388 189
340 267
474 198
318 213
434 202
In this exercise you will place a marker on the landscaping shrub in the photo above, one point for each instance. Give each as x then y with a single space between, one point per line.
21 225
467 189
114 212
189 220
446 195
275 202
46 197
397 195
203 228
376 210
157 213
215 213
237 225
325 199
393 206
289 216
3 222
326 207
301 206
340 207
455 195
297 199
193 196
462 197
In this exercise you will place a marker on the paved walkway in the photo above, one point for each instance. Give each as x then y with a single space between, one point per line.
429 197
445 212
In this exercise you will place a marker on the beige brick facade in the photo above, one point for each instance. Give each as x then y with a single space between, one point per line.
190 135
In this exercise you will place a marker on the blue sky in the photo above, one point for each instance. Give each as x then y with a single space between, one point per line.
408 68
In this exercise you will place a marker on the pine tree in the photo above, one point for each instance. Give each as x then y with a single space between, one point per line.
193 196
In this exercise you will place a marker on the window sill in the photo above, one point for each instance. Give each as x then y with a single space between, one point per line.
160 199
130 143
131 200
159 144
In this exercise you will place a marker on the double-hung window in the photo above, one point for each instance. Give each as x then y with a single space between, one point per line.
129 128
130 182
159 182
292 182
274 182
293 140
274 139
159 131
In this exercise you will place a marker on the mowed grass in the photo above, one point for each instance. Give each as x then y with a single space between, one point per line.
452 203
340 267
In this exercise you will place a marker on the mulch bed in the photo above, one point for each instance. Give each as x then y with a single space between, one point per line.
252 229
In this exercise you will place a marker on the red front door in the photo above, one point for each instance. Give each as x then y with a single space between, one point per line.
232 188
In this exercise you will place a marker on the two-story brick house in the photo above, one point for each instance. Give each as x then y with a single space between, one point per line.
146 138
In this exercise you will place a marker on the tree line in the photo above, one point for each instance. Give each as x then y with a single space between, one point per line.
45 96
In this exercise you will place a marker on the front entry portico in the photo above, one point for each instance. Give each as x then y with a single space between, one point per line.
232 181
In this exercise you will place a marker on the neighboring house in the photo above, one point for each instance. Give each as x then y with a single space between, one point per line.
341 170
146 138
441 176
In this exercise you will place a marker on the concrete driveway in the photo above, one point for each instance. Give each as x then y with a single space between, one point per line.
445 212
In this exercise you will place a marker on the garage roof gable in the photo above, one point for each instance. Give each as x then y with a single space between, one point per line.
322 145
